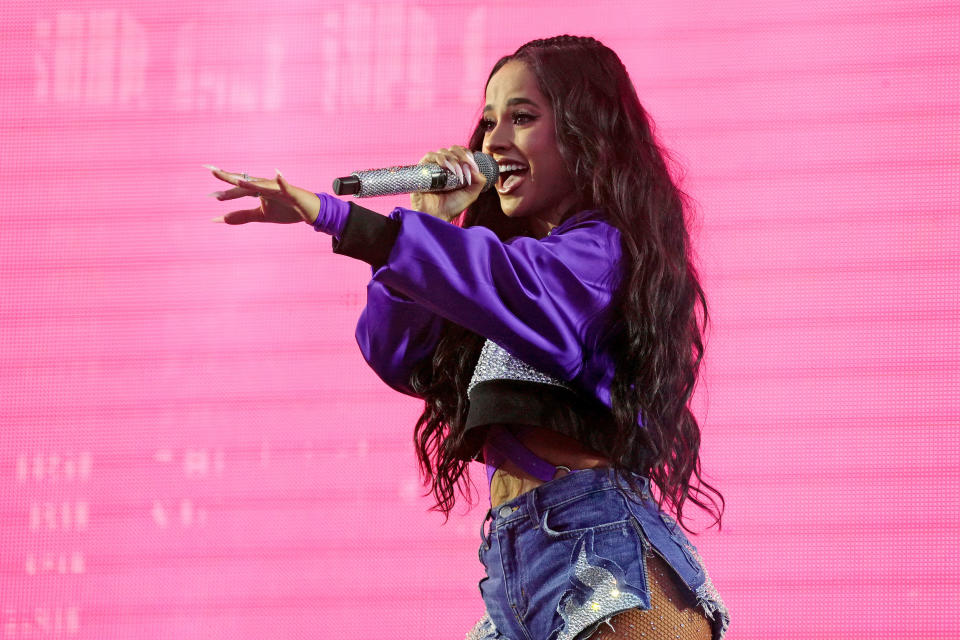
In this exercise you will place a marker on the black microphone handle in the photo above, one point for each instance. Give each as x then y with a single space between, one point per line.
411 178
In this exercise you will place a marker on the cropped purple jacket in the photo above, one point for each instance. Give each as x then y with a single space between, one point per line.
545 301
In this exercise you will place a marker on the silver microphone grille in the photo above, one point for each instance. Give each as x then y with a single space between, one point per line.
488 167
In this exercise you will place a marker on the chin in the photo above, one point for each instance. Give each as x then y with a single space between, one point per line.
512 206
509 210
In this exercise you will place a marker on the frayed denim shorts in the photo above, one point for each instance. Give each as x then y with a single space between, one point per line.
567 556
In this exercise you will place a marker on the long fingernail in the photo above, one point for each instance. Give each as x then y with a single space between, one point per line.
216 194
220 219
466 172
211 167
278 172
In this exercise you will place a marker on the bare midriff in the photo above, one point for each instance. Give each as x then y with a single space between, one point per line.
510 481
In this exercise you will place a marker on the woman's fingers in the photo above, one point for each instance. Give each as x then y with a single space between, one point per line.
469 163
460 161
446 158
245 215
261 186
227 176
233 194
245 184
280 202
283 184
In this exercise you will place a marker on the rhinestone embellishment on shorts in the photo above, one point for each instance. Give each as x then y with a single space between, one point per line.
605 599
484 630
496 363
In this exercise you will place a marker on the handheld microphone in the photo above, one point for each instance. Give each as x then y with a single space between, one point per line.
410 178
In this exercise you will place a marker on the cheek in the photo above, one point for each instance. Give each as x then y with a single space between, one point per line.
549 160
552 173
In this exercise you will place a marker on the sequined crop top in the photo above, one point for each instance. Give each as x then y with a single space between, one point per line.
505 389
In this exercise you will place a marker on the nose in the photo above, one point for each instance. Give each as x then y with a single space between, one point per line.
498 139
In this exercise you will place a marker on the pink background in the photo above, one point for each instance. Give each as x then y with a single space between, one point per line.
191 444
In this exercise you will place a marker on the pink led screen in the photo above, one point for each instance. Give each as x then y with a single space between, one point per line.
191 443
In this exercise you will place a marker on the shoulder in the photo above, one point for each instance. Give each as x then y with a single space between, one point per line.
590 226
588 239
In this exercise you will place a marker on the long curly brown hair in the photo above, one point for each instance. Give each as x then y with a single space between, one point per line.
607 142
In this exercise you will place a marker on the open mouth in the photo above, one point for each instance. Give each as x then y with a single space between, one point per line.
511 176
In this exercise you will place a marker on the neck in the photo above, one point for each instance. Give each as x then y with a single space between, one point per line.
543 225
541 228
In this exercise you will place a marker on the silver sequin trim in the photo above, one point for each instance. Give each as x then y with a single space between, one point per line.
709 598
483 630
495 363
606 599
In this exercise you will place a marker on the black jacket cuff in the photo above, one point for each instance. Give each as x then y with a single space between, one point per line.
367 236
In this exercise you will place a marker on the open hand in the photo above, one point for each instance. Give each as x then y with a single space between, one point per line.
279 201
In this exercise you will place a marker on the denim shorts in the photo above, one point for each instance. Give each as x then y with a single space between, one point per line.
567 556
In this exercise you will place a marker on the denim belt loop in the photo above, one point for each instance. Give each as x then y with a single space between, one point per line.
532 511
483 529
645 488
622 483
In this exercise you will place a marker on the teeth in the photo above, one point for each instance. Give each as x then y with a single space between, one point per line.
510 167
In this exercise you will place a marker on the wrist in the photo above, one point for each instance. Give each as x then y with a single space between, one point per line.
332 215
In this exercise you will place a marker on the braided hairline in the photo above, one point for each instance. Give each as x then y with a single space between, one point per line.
561 41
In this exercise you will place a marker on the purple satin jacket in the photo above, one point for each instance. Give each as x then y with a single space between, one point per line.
545 301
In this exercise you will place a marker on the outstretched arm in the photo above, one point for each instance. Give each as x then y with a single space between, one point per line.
394 333
545 301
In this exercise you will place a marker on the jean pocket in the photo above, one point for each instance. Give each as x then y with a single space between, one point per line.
596 511
607 575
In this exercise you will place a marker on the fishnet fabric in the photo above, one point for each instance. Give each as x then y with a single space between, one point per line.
673 614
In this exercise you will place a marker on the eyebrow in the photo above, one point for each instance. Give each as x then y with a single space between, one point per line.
513 102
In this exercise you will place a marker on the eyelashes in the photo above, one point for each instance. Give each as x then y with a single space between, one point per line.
518 118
